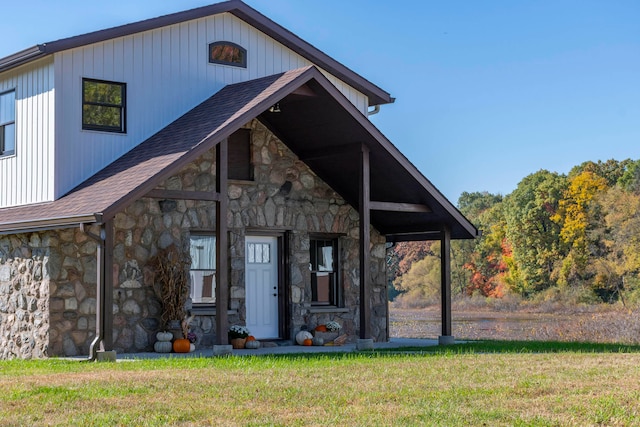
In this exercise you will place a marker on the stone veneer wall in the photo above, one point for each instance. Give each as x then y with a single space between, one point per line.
285 196
47 293
24 296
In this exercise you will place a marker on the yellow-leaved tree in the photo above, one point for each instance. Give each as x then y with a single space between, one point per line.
577 212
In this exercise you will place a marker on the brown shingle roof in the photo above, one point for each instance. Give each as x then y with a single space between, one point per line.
139 170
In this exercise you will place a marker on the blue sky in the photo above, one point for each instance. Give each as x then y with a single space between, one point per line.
486 92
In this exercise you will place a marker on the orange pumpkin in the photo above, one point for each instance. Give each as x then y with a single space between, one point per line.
251 338
308 341
321 328
181 345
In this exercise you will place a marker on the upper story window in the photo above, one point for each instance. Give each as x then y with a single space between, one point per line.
203 268
326 286
7 123
104 105
227 53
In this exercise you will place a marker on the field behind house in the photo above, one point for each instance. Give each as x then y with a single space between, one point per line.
597 323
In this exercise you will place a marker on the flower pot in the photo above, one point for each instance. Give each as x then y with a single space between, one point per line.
238 343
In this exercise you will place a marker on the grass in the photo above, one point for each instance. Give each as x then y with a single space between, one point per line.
478 383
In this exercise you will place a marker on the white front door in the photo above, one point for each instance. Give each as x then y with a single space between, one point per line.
261 286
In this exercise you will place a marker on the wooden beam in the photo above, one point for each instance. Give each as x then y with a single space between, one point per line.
183 195
365 239
399 207
222 244
413 237
445 280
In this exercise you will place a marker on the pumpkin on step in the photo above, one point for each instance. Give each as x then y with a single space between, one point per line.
303 335
164 336
307 342
181 345
163 346
252 345
321 328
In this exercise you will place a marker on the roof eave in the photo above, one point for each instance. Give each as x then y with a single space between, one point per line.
23 57
48 223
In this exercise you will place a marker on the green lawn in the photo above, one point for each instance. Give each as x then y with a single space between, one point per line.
479 383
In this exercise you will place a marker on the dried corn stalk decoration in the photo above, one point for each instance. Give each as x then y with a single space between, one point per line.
171 266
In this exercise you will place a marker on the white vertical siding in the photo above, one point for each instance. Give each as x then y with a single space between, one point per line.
167 73
26 177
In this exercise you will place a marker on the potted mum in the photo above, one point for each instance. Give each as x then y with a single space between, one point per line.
238 336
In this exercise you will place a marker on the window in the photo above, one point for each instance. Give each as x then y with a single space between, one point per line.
240 165
227 53
103 105
258 253
325 278
203 268
7 123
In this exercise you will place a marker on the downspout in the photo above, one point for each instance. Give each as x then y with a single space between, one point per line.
97 342
376 110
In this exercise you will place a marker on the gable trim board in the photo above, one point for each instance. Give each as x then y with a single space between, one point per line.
137 172
376 95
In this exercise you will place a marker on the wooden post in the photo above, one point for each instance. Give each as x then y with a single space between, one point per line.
445 284
365 239
222 243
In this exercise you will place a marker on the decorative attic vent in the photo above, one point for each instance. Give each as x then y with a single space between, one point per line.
228 53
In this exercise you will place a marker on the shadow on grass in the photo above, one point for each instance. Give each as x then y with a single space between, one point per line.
489 346
468 347
471 347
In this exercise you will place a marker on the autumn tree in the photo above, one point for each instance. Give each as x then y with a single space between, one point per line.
617 269
578 214
483 256
611 170
420 285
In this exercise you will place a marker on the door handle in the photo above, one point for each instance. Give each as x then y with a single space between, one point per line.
275 295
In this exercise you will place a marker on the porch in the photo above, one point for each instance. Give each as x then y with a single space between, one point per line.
287 349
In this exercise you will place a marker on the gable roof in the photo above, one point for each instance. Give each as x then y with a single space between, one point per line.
237 8
309 102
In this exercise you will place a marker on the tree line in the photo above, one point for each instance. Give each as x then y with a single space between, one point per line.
574 235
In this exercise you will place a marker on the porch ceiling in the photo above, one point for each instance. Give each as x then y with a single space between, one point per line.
316 125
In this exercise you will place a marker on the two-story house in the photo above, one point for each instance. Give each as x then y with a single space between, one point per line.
220 132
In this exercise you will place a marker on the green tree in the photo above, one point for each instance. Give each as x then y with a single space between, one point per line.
532 235
630 179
